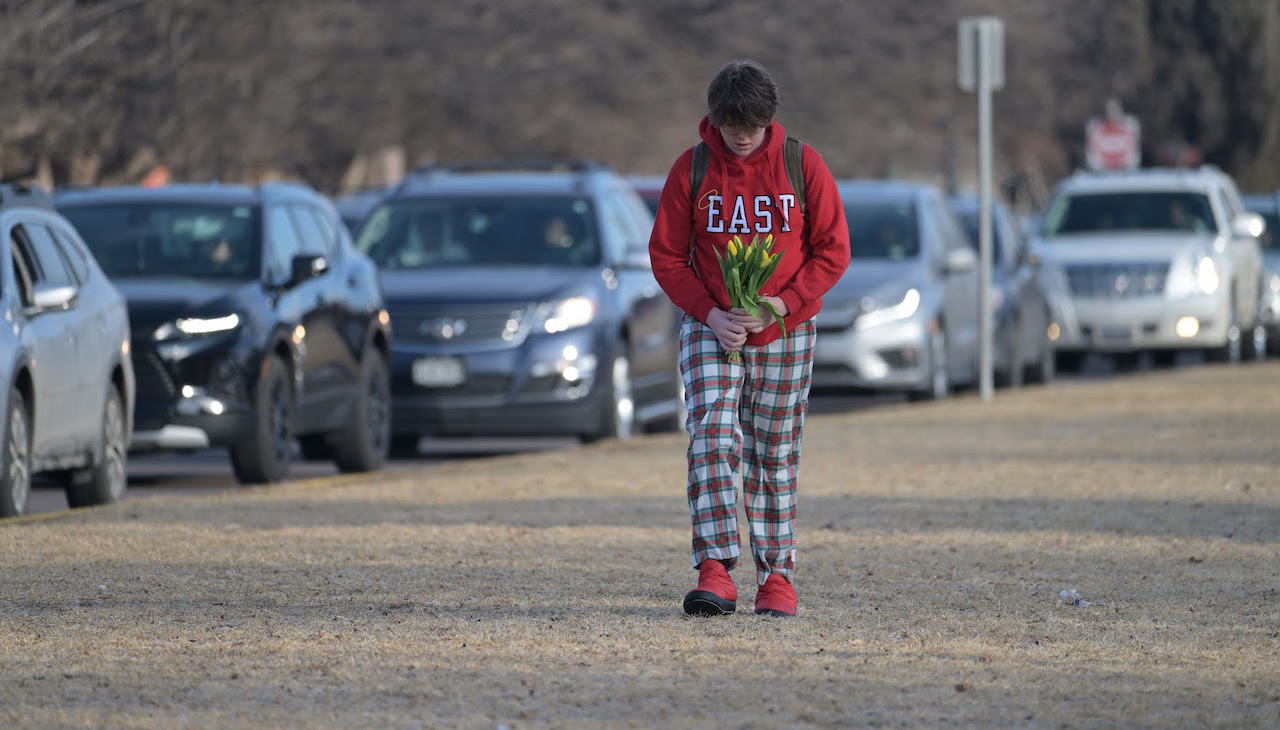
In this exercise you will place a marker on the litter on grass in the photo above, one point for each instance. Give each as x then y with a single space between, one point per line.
1072 597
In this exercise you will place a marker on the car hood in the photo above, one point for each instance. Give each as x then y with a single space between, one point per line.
1126 247
483 285
867 277
155 301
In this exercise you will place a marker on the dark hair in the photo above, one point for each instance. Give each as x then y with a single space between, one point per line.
742 93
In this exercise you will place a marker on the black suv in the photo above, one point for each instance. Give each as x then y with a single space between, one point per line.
254 320
523 304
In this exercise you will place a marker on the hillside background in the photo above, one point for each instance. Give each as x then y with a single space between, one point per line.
344 94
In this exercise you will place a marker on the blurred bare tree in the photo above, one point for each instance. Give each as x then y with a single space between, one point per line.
328 91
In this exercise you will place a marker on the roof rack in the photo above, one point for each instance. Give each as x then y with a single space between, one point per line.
13 194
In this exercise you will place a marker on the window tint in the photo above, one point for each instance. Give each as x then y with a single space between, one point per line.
51 264
311 237
1136 211
195 240
883 230
77 256
501 231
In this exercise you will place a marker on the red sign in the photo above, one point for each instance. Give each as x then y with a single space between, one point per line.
1113 143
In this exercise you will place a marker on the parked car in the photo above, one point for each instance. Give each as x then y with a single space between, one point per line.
1021 349
904 316
254 321
64 359
523 304
650 189
1267 205
354 207
1153 260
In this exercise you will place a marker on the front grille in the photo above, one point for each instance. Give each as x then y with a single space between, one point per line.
475 325
153 379
1117 280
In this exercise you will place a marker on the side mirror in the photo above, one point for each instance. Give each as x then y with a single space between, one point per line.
306 266
50 297
960 260
1248 225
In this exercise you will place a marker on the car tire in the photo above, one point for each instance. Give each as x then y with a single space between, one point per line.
364 444
938 387
1258 343
1045 368
1012 375
264 457
1231 351
15 479
617 409
107 480
678 420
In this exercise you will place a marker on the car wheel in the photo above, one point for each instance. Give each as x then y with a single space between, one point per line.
938 387
265 455
1231 351
1011 375
363 445
1258 343
1044 370
16 483
618 412
675 421
108 480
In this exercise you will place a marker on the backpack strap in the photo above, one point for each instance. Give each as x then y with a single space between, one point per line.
795 170
701 156
791 156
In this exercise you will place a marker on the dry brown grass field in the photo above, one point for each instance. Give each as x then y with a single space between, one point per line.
543 590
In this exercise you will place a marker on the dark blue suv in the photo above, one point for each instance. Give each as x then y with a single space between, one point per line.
255 322
523 304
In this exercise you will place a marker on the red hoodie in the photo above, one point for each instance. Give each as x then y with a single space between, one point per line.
748 196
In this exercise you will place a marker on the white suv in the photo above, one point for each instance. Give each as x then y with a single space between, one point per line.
1154 260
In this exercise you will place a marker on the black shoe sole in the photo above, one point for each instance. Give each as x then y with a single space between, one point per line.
774 612
706 603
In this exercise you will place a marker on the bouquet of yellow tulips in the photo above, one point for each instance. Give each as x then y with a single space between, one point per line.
746 267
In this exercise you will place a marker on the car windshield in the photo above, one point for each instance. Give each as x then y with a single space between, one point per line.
145 239
883 230
1136 211
490 231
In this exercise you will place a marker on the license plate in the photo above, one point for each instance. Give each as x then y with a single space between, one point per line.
438 372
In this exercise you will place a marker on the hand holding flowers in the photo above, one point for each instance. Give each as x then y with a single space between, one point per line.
746 268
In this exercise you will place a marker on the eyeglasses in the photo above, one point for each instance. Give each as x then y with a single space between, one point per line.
740 130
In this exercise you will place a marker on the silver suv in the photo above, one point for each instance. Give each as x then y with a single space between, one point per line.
66 375
1153 260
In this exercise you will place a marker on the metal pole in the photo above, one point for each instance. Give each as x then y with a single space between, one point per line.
984 217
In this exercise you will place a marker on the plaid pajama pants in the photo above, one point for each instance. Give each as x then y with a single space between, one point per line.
745 420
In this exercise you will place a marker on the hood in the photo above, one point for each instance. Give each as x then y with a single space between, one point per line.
775 139
1094 248
484 285
870 277
154 301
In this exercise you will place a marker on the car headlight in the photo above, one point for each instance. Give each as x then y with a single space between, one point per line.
196 326
1198 274
565 314
876 313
